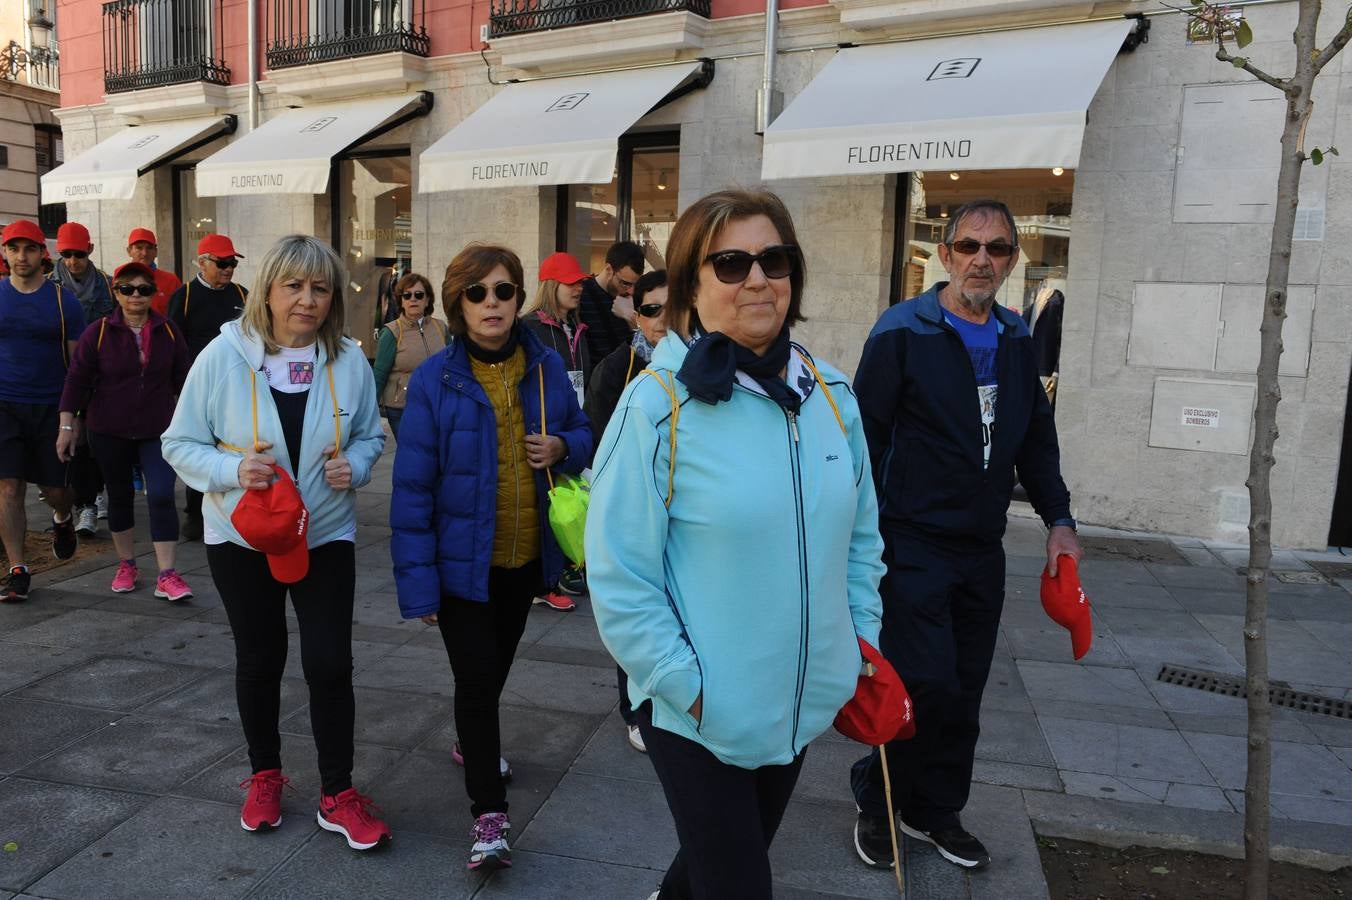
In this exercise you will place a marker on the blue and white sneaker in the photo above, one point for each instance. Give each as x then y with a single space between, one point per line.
490 850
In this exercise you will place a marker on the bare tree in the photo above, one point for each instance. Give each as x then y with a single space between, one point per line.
1226 27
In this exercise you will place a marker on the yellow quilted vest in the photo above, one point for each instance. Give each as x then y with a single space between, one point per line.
516 539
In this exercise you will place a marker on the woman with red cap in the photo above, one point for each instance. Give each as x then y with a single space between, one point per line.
126 372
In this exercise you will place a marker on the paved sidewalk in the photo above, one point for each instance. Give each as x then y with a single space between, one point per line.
120 750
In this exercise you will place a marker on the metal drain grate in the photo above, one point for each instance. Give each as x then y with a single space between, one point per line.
1233 686
1331 570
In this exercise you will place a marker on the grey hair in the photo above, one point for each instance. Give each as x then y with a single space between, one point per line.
982 207
308 258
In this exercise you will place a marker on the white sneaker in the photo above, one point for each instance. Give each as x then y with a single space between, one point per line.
86 521
636 738
101 506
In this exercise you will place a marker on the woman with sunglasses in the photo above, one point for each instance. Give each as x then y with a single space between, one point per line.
737 496
405 343
471 541
124 376
553 316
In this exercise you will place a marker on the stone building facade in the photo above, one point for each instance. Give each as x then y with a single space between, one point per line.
1155 236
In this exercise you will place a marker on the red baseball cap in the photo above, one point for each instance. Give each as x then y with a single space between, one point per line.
142 234
73 236
25 230
217 245
134 268
563 268
880 710
1064 601
275 521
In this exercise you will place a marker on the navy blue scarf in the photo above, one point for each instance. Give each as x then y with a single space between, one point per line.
710 369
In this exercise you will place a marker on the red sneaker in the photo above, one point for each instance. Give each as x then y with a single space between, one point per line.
555 600
263 805
348 813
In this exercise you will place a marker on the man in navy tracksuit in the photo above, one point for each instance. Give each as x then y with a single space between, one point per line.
952 405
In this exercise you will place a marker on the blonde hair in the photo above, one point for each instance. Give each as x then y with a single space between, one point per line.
547 299
308 258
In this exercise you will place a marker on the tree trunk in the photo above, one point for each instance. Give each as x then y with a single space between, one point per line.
1257 812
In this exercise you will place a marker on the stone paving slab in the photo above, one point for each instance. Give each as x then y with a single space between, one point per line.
413 865
111 682
612 820
193 848
32 729
50 823
541 876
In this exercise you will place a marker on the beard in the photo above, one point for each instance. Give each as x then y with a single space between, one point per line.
978 301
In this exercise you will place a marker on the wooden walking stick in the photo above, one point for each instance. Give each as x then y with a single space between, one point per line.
892 822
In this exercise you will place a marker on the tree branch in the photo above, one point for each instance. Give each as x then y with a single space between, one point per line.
1280 84
1339 41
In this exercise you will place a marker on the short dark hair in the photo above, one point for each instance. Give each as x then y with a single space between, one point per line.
654 279
625 253
409 282
470 265
983 207
696 230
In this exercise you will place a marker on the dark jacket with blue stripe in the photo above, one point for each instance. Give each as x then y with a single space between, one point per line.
917 394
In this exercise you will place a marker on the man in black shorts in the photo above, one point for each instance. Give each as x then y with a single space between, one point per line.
40 322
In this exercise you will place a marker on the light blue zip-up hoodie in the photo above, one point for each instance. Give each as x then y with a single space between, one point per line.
216 408
752 587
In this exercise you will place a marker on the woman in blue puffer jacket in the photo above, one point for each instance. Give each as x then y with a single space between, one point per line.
472 545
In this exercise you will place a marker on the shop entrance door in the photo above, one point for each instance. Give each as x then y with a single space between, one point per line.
1340 527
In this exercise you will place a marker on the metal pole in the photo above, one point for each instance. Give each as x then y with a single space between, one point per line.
769 100
253 63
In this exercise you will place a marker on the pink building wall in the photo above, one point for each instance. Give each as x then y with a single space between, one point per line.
453 26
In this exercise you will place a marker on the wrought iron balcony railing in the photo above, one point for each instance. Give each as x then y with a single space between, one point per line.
301 32
149 43
521 16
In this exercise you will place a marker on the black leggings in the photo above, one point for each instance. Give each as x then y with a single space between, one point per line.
256 605
726 816
481 641
116 456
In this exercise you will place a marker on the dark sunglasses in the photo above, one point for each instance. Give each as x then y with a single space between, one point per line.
74 254
733 266
503 290
650 310
414 295
995 249
228 262
126 290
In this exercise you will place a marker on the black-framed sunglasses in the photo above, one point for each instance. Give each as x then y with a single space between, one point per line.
994 249
126 290
503 290
228 262
414 295
650 310
733 266
74 254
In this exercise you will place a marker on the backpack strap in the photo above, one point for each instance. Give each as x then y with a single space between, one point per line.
630 369
61 311
103 325
675 414
187 297
544 432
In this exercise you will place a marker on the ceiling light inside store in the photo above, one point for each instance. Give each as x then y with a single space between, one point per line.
1058 171
662 180
356 288
954 175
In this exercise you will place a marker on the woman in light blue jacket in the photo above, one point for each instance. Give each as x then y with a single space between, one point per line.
737 559
282 389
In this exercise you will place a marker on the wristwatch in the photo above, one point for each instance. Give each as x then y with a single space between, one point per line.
67 427
1067 521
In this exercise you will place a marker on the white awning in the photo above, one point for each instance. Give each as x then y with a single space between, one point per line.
1002 100
109 169
291 154
553 131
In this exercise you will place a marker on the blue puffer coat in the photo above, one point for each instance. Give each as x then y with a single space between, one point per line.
444 504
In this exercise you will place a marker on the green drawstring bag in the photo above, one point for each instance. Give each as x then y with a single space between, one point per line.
568 498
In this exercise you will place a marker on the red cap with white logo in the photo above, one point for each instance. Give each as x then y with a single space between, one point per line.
275 521
1064 601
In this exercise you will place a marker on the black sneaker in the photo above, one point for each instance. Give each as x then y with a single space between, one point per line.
572 581
872 841
954 844
63 538
16 586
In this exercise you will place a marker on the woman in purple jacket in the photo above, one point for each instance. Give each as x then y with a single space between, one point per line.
122 382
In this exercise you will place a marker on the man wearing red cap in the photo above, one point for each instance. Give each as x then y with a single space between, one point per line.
39 324
75 272
952 405
199 309
143 248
